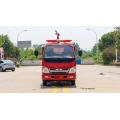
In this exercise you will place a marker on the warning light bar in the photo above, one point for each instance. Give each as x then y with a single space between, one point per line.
58 40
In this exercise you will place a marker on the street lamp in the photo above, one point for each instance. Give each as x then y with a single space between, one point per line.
19 35
96 42
116 44
116 52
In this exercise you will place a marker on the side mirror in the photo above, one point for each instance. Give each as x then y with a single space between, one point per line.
80 52
36 53
42 50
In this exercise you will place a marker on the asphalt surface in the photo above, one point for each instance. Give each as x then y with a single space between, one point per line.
90 79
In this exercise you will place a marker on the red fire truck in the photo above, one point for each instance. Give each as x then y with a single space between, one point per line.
59 61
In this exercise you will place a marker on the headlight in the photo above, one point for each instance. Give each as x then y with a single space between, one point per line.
45 70
72 70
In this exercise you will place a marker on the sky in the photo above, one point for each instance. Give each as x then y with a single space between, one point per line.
38 35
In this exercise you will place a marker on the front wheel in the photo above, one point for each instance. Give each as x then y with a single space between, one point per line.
73 82
13 70
44 83
1 69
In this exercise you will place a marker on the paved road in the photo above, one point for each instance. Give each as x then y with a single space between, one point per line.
90 78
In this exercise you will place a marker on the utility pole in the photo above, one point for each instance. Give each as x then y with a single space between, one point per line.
96 43
116 44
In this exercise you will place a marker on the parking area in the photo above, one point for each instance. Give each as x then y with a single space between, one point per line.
90 78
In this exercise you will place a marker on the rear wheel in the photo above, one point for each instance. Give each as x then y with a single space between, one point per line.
73 82
44 83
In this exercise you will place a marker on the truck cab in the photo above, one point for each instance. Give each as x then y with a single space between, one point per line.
59 61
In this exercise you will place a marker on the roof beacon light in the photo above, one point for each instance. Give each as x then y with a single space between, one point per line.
58 41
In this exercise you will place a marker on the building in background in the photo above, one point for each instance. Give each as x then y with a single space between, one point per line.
1 53
35 46
24 44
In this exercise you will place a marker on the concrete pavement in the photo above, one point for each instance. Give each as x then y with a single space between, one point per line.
90 79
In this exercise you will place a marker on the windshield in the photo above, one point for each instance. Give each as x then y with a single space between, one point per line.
59 53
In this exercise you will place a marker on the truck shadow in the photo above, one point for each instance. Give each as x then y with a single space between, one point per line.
57 85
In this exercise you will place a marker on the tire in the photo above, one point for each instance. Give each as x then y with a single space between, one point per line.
13 70
44 83
73 82
1 70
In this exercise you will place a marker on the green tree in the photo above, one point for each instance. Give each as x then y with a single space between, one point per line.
107 45
2 40
17 53
106 41
8 47
108 55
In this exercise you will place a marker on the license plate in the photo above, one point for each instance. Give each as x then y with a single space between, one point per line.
57 76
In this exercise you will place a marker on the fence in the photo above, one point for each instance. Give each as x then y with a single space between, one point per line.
31 63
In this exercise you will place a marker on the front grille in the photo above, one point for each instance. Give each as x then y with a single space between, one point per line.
59 71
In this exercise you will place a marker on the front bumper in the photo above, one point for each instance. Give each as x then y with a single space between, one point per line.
58 77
